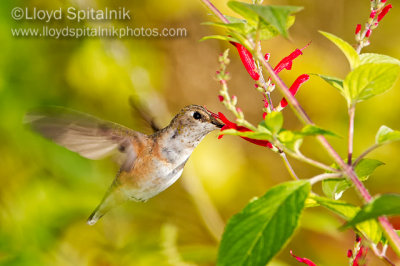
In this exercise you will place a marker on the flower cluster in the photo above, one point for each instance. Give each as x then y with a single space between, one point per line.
379 9
265 87
357 256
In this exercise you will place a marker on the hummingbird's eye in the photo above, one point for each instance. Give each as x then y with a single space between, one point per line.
196 115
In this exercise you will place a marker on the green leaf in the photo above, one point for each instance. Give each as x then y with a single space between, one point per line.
291 140
219 37
366 167
345 47
369 229
312 130
386 135
256 234
334 188
387 204
240 27
277 16
267 32
369 80
368 58
274 122
335 82
249 134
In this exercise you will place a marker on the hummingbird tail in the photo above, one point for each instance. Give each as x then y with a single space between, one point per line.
113 197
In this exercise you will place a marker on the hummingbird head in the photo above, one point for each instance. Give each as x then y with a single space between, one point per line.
196 120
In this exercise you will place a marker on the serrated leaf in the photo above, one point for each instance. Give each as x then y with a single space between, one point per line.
249 134
256 234
274 122
386 135
387 204
369 80
368 58
219 37
277 16
312 130
335 82
366 167
345 47
370 229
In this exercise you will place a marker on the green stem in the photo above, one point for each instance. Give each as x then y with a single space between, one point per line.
321 177
352 110
362 155
299 156
288 166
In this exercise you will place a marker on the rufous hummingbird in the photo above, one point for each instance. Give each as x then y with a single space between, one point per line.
149 163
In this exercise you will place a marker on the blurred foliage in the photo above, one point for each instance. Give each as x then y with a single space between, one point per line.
47 192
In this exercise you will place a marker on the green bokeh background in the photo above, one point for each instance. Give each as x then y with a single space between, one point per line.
47 192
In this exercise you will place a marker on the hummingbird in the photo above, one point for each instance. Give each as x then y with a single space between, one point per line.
149 164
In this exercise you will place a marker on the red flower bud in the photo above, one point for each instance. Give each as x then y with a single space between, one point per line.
373 13
267 56
247 60
383 1
358 238
221 98
265 115
358 28
384 12
349 253
368 33
294 88
303 260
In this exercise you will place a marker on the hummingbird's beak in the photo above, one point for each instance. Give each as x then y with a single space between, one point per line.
215 122
214 119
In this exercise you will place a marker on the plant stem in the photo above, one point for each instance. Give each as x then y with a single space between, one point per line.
299 156
392 236
352 110
321 177
215 11
373 147
288 166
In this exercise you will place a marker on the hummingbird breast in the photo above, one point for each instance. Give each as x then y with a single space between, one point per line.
156 168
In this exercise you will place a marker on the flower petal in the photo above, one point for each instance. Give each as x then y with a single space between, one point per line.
303 260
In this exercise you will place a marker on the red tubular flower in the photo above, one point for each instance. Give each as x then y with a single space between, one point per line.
358 28
287 61
384 12
220 98
303 260
247 60
295 87
231 125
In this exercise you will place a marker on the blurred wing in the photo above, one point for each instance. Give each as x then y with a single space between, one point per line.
89 136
